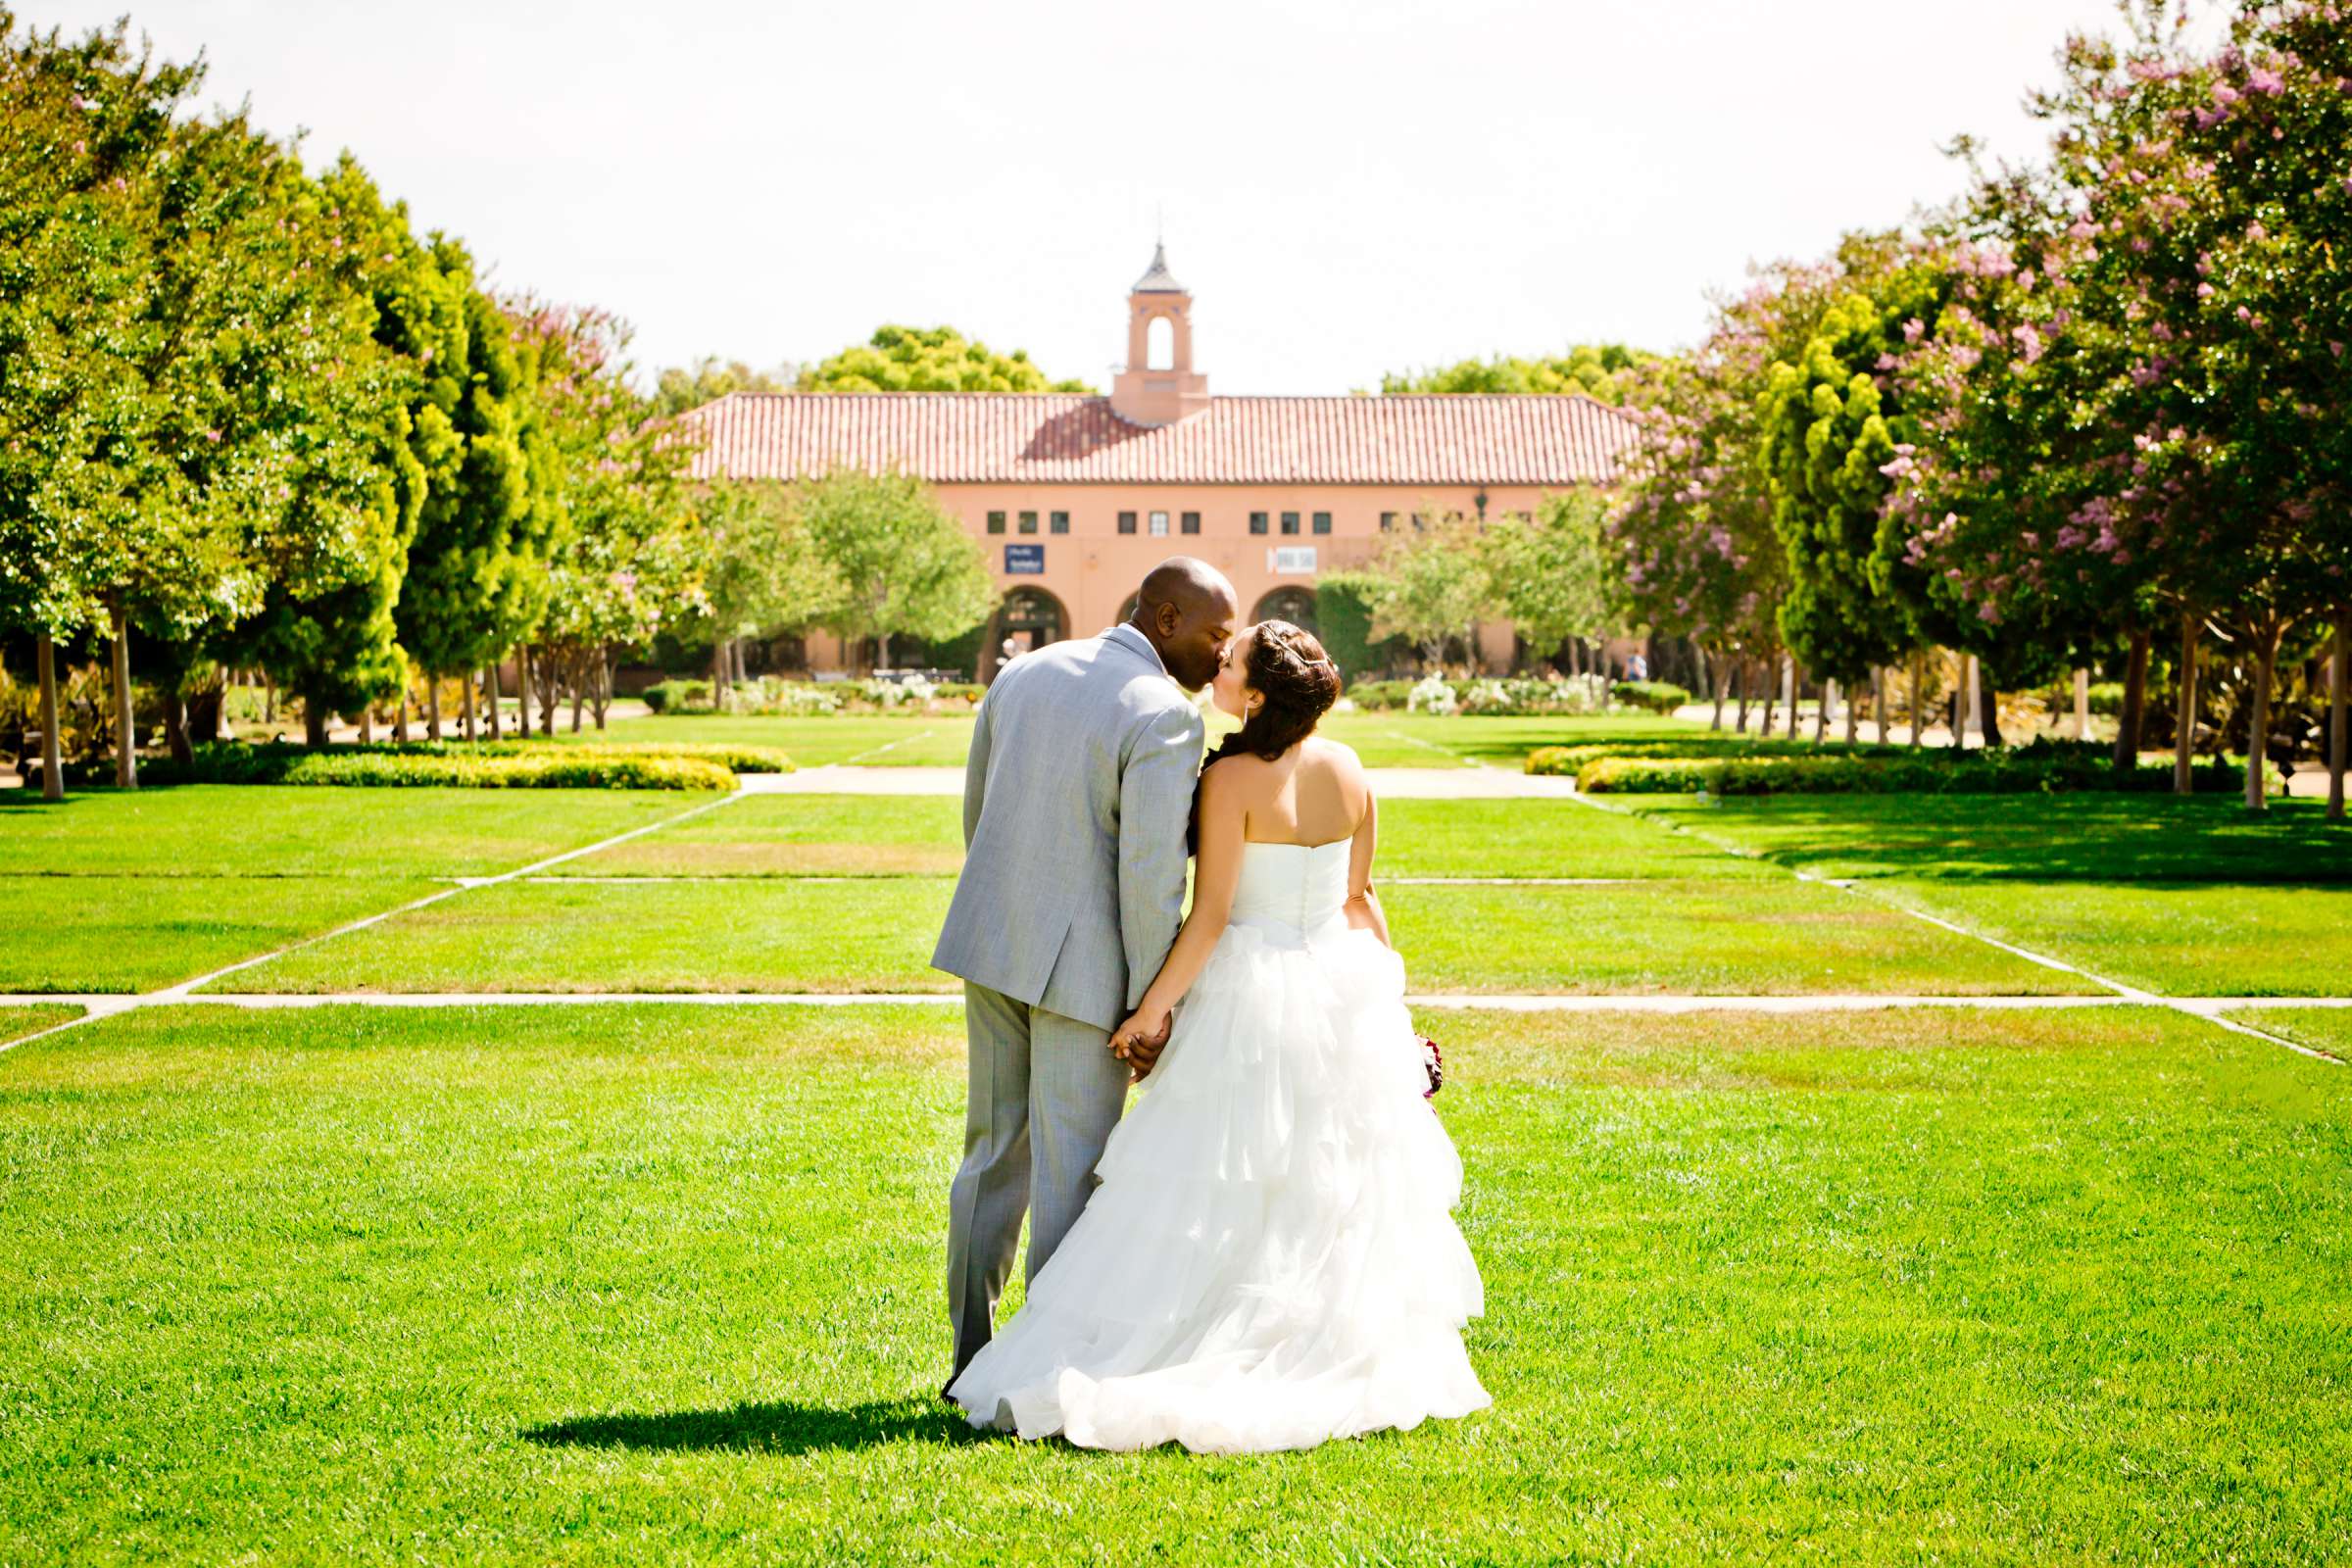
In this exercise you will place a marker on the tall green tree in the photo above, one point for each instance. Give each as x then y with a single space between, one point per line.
475 534
1554 574
1430 585
903 565
940 358
709 379
1596 370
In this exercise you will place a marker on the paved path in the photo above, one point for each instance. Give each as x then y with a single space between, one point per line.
1389 783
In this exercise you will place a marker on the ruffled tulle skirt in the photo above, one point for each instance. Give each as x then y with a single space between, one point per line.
1271 1259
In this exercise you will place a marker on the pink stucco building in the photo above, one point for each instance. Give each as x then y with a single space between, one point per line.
1074 498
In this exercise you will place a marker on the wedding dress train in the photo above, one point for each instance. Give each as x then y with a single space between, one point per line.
1271 1259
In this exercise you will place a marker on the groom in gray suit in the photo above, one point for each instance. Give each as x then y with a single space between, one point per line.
1075 804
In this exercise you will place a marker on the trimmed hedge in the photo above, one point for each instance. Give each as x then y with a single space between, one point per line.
1657 695
2032 769
486 764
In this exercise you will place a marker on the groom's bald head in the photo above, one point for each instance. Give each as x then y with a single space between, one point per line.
1186 609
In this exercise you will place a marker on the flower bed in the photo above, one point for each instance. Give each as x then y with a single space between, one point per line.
770 697
1492 696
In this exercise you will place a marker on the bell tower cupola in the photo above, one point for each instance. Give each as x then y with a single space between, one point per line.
1158 386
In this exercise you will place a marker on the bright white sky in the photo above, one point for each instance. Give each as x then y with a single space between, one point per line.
1349 185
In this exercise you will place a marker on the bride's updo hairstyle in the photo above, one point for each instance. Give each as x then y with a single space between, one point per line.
1299 683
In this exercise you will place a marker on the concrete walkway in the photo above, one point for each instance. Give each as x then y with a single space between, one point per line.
1389 783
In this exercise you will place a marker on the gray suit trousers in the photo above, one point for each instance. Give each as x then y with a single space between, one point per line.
1044 1094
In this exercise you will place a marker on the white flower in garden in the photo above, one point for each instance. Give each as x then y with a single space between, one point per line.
1433 695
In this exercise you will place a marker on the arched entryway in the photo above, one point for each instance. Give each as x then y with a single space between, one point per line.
1029 618
1292 603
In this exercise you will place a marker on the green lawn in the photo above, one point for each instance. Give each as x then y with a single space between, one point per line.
2189 897
1728 937
221 830
873 740
797 835
776 934
2328 1029
92 933
637 1283
19 1021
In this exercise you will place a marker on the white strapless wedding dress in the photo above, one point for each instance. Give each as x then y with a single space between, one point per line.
1271 1259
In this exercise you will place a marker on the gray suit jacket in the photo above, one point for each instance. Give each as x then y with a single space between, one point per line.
1075 801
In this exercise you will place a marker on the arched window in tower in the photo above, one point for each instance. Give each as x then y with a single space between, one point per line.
1160 344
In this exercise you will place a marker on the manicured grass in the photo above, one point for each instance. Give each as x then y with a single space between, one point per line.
2328 1029
803 834
19 1021
1540 838
749 935
647 1284
98 933
2185 939
2035 838
900 740
218 831
797 835
1734 938
1423 740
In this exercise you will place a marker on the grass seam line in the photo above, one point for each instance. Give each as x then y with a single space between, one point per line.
166 995
1853 886
904 740
1415 740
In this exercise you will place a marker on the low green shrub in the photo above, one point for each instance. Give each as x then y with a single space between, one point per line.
485 764
1655 696
2044 767
668 696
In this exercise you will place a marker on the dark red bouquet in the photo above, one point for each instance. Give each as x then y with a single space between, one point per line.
1435 1060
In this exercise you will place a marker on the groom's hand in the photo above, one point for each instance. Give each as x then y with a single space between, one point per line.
1140 1048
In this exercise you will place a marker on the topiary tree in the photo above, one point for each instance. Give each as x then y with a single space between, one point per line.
907 359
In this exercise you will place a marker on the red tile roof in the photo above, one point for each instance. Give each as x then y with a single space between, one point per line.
985 437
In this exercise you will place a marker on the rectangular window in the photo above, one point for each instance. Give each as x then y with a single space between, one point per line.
1258 522
1322 522
1159 525
996 522
1290 522
1126 522
1028 522
1419 522
1387 522
1059 522
1189 522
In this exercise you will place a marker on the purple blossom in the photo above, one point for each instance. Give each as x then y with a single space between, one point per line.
2264 80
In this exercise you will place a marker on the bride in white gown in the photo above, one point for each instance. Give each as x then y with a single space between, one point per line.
1270 1259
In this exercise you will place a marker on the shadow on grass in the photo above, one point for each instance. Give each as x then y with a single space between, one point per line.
777 1427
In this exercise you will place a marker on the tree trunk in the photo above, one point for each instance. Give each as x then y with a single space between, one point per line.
577 701
603 698
1851 737
1919 689
314 722
1824 697
1878 704
367 723
882 651
2082 705
498 724
1970 715
400 718
175 726
551 676
1739 695
2185 713
466 703
52 778
1988 716
1789 692
269 700
522 690
2258 728
204 713
432 707
718 675
1720 672
127 739
2135 699
2337 679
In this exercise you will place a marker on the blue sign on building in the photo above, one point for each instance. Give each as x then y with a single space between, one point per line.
1024 560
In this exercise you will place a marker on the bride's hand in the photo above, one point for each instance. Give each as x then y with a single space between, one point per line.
1141 1039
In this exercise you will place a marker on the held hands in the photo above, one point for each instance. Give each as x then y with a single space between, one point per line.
1141 1039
